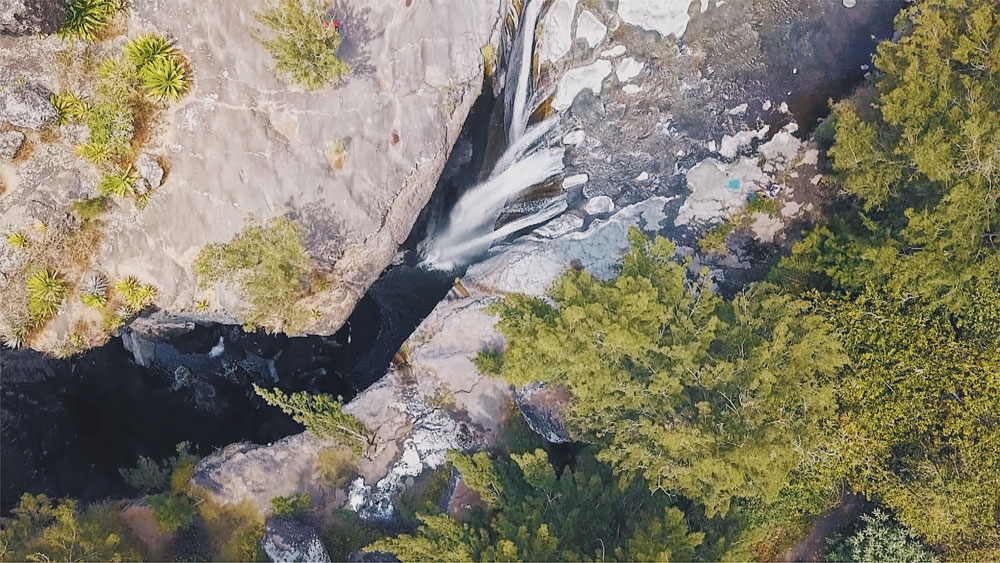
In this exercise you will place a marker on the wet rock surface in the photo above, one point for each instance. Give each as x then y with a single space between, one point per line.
288 540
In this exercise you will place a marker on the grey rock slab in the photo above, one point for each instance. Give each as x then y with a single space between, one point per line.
26 106
10 143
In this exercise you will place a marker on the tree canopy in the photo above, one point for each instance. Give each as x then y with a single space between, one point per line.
534 515
675 384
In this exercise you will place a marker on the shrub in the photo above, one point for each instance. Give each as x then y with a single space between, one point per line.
94 291
164 79
271 268
762 204
489 362
244 544
46 291
147 476
714 241
172 511
173 473
69 107
112 125
17 239
147 48
136 295
120 181
303 46
44 530
879 539
117 79
84 19
90 209
337 465
291 507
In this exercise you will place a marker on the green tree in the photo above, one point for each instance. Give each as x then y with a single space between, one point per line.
321 414
302 41
585 513
675 384
44 530
913 260
920 421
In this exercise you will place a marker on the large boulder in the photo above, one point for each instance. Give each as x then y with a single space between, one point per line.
541 407
26 106
289 540
27 17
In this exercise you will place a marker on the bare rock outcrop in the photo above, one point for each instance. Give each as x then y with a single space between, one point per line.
353 164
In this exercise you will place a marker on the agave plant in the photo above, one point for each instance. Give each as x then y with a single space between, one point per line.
94 151
69 107
83 19
164 78
17 239
46 291
94 291
147 48
120 182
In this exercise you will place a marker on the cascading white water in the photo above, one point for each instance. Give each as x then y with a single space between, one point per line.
525 163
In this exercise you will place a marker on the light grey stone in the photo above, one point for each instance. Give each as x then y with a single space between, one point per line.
26 106
10 143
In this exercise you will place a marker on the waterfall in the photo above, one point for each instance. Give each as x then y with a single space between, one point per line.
526 162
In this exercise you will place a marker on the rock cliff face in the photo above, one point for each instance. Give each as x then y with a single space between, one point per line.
657 135
353 164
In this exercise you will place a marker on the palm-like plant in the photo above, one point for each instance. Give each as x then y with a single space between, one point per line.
83 19
69 107
46 291
120 182
17 239
147 48
164 78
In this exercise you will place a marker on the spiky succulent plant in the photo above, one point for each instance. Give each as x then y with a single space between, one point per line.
120 182
46 291
164 79
94 290
69 107
17 239
147 48
84 19
137 295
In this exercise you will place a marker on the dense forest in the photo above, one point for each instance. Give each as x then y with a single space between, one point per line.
718 427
